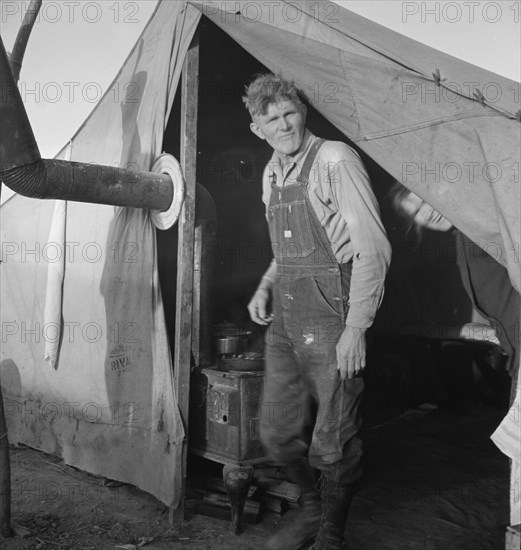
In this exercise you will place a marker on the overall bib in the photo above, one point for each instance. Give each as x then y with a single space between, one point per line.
307 408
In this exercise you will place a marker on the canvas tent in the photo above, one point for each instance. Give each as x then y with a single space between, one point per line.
109 407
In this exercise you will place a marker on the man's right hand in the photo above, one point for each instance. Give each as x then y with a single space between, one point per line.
258 307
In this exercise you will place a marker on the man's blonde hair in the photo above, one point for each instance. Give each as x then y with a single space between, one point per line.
268 89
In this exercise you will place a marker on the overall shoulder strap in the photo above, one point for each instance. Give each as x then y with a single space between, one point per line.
303 177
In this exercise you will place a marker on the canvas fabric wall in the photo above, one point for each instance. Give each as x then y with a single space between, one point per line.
109 405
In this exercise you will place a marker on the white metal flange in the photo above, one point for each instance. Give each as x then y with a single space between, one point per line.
167 164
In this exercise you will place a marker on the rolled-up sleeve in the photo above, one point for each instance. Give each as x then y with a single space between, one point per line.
352 195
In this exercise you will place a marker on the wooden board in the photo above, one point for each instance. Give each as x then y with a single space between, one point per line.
185 257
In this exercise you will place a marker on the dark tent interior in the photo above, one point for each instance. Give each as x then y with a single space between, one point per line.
433 478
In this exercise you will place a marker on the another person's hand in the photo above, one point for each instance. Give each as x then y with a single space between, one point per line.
350 352
258 307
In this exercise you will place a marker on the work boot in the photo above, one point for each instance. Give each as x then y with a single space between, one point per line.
305 526
336 500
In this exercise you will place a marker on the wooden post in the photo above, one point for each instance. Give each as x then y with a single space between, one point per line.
196 301
5 464
5 476
204 261
185 256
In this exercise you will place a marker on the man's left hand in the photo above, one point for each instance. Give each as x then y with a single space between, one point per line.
350 352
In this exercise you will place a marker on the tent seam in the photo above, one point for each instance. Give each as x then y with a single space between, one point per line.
405 63
380 51
355 103
426 124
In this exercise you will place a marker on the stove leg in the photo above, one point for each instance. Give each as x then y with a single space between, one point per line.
237 481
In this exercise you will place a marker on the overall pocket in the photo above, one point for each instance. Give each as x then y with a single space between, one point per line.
290 230
328 293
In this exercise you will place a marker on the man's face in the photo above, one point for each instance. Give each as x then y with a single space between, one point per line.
282 126
423 214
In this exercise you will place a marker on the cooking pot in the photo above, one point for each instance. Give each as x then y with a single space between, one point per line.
225 345
230 339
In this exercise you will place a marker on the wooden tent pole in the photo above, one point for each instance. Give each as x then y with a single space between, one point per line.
185 255
5 464
5 476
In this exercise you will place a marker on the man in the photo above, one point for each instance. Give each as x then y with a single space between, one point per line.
487 282
320 295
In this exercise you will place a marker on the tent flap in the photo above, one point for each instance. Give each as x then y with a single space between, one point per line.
110 406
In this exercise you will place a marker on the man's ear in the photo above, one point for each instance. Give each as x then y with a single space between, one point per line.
304 111
254 127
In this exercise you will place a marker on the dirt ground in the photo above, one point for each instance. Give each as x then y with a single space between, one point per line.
67 509
433 480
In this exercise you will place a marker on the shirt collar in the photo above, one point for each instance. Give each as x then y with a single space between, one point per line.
283 170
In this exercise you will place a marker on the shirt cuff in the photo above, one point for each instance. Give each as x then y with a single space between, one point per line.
361 315
359 320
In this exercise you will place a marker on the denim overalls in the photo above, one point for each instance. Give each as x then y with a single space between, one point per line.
307 408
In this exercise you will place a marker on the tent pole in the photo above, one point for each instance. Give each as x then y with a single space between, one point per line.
5 476
185 256
5 463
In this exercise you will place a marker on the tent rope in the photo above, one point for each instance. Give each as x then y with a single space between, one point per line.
477 96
